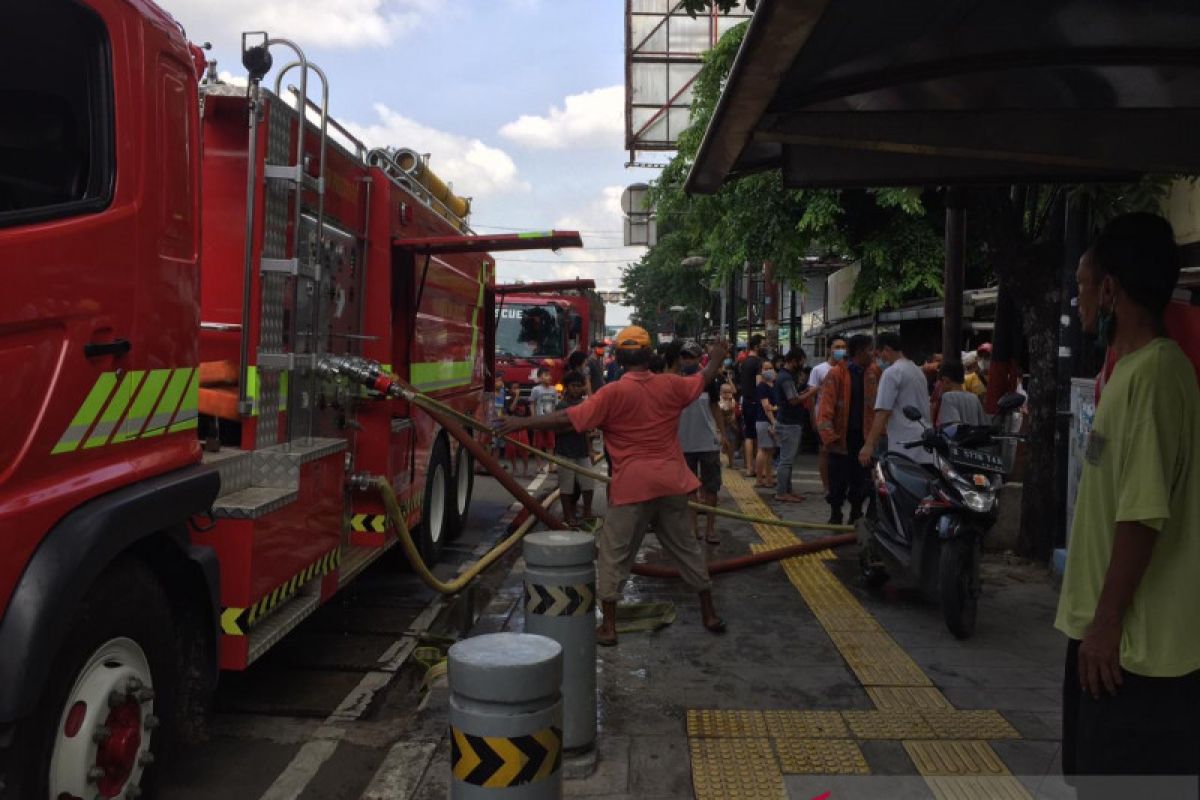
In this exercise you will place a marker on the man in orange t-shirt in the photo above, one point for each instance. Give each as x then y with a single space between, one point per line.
639 416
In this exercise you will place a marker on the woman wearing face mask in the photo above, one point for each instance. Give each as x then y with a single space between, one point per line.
977 378
765 429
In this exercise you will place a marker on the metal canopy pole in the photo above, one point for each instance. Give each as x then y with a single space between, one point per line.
955 276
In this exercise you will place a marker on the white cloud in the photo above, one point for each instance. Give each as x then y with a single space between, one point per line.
310 23
475 169
602 257
590 119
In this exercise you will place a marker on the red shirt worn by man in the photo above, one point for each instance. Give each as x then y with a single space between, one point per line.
639 416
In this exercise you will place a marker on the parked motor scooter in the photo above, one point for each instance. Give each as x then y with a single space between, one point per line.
930 519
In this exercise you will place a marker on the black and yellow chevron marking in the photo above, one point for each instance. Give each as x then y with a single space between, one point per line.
560 601
369 523
236 621
496 762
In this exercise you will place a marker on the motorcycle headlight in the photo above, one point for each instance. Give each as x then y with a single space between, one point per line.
978 502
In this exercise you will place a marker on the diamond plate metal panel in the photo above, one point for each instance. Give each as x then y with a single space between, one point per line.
273 467
253 502
234 467
722 723
735 769
820 757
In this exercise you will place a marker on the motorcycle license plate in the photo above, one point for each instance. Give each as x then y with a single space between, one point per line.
976 459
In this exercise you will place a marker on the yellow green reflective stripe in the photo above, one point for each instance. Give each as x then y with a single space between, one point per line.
534 234
115 410
252 389
187 415
441 374
169 401
86 414
135 420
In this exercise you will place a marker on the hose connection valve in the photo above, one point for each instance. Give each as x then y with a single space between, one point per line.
364 372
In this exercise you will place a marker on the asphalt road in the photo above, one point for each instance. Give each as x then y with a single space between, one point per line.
270 733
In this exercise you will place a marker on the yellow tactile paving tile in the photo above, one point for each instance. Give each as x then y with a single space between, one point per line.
948 723
877 660
954 758
751 503
791 724
977 788
888 724
724 723
735 769
892 698
820 757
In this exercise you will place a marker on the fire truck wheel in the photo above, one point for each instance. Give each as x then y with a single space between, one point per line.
93 734
464 485
438 505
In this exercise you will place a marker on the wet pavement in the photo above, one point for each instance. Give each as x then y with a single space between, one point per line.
819 685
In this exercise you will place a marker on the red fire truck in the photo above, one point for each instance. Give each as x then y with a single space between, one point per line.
183 475
541 324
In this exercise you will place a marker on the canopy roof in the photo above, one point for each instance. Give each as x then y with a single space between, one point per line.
919 92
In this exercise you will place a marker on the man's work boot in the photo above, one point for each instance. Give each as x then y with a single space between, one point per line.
708 613
855 513
835 515
606 634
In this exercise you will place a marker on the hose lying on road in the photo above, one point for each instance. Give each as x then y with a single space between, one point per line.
404 536
752 560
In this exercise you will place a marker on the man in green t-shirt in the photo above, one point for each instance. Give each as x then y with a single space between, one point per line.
1130 601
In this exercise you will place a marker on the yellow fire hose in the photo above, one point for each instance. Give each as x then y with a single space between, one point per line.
404 535
424 401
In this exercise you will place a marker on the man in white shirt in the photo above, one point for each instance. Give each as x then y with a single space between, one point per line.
816 376
902 384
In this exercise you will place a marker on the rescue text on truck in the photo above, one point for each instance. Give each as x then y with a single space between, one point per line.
182 482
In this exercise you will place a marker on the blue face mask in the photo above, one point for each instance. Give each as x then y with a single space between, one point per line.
728 362
882 364
839 354
690 370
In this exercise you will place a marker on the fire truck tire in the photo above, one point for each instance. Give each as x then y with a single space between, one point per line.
94 733
464 486
438 503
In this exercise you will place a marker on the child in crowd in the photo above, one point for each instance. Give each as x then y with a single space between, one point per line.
517 407
544 399
573 447
730 421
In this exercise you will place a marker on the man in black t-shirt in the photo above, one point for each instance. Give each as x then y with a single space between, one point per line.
789 423
573 446
748 373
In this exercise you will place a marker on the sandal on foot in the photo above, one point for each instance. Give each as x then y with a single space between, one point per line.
715 539
714 627
606 641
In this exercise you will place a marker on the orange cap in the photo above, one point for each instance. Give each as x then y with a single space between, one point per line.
632 338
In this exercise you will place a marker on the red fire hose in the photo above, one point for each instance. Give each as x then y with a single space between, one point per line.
752 560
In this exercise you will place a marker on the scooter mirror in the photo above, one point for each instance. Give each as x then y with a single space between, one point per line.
1009 402
912 412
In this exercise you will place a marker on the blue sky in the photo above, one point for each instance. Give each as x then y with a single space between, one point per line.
518 101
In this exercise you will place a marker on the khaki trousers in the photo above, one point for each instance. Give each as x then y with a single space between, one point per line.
621 538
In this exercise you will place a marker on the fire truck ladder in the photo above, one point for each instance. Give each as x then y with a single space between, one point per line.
299 258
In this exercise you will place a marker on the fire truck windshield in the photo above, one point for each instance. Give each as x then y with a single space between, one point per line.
530 331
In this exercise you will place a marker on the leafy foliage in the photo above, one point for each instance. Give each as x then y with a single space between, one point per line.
695 7
894 232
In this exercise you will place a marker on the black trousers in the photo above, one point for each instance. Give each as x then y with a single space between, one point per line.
847 478
1151 726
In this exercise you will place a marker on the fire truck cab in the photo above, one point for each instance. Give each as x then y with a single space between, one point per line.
184 477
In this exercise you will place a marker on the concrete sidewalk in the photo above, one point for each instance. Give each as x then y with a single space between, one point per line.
820 685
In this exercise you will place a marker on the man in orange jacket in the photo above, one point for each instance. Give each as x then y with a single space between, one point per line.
845 415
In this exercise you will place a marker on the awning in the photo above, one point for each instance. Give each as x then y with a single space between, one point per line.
926 92
537 240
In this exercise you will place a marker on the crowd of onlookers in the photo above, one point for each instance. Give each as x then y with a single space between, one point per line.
761 410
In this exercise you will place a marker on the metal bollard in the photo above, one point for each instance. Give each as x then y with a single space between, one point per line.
560 602
506 718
